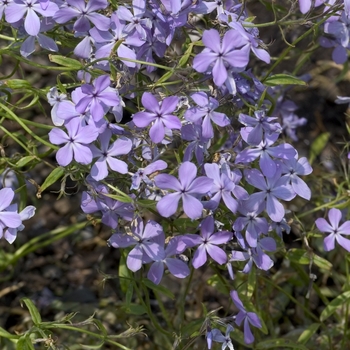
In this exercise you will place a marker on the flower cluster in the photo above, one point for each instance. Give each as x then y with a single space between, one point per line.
189 155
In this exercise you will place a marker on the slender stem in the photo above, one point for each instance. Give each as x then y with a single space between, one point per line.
326 205
13 116
102 337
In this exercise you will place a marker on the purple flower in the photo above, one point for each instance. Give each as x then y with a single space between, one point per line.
265 151
107 155
10 233
198 144
98 96
159 114
305 5
141 174
108 40
85 12
260 123
18 9
291 168
246 317
205 110
137 21
224 339
8 218
176 267
76 142
272 189
254 224
250 36
143 238
55 98
222 188
187 188
221 55
208 242
336 231
97 200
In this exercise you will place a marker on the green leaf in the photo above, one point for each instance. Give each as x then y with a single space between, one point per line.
17 84
299 256
322 263
283 79
157 288
308 333
25 160
69 63
122 197
135 309
185 57
318 146
147 203
280 343
165 77
6 334
124 272
251 282
336 303
54 176
24 343
34 313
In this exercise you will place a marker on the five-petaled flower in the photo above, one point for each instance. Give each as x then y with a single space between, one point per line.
335 231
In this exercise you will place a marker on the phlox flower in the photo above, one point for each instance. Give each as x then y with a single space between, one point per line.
18 9
218 56
206 110
208 242
217 336
144 238
188 188
335 231
76 142
8 218
97 96
10 233
107 153
272 189
305 5
159 114
248 318
84 12
142 173
176 267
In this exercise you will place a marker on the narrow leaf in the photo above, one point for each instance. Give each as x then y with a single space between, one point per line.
55 175
69 63
283 79
280 343
34 313
339 301
308 333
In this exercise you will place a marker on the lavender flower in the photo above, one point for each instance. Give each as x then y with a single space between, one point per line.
335 231
220 56
208 242
188 188
205 110
18 9
107 155
159 114
245 317
8 218
143 238
76 142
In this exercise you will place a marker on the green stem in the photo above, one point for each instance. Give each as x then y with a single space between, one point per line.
326 205
102 337
13 116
